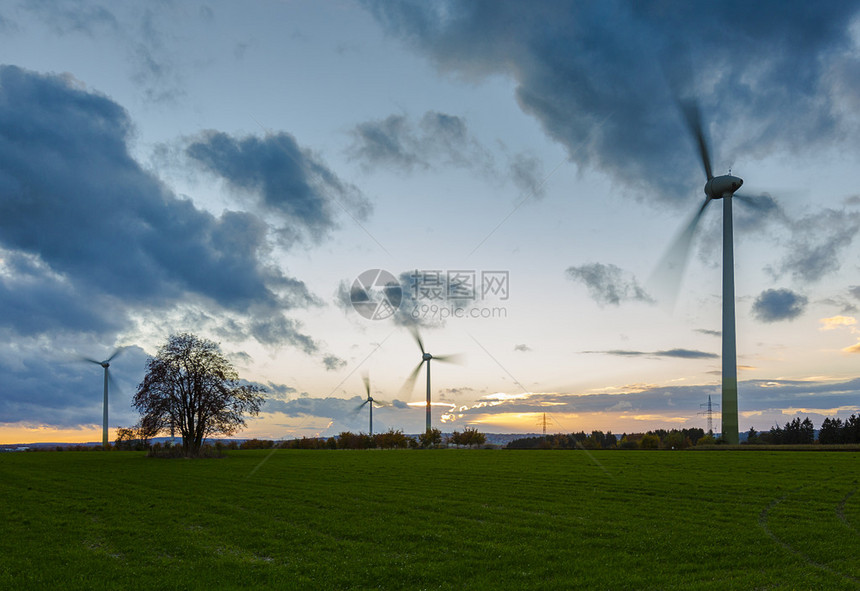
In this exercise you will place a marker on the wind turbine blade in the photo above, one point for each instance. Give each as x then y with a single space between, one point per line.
114 354
693 118
359 407
409 384
454 358
382 402
91 360
366 379
669 271
113 386
758 209
417 336
760 202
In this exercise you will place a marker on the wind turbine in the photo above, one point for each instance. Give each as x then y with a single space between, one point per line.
425 358
106 365
370 401
720 187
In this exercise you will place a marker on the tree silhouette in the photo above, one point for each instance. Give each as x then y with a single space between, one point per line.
190 384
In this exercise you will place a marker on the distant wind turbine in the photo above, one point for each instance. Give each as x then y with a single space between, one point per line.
106 365
369 401
674 261
425 358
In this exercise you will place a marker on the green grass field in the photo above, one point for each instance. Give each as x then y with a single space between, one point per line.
446 519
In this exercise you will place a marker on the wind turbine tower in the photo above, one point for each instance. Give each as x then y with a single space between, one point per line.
106 365
425 358
722 187
369 401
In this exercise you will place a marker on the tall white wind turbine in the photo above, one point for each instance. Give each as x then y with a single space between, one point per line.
720 187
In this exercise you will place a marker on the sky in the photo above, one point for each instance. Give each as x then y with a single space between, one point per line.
303 181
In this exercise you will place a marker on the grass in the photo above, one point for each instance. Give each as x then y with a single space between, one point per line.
446 519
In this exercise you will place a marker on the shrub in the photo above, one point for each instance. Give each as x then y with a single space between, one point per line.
707 440
649 441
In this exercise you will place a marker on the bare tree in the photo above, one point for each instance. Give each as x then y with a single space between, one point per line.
191 385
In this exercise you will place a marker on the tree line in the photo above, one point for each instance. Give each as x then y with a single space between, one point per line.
135 439
832 432
391 439
794 432
660 438
836 431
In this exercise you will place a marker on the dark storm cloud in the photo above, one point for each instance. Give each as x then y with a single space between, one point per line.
81 222
845 307
31 296
285 178
72 17
527 174
389 142
279 390
438 140
673 353
709 332
686 354
774 305
333 363
154 63
784 393
608 284
396 142
817 242
601 72
845 303
280 330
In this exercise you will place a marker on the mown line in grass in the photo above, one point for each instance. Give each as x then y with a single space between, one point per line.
840 511
763 523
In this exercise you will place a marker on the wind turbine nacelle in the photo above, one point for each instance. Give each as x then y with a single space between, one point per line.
722 186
